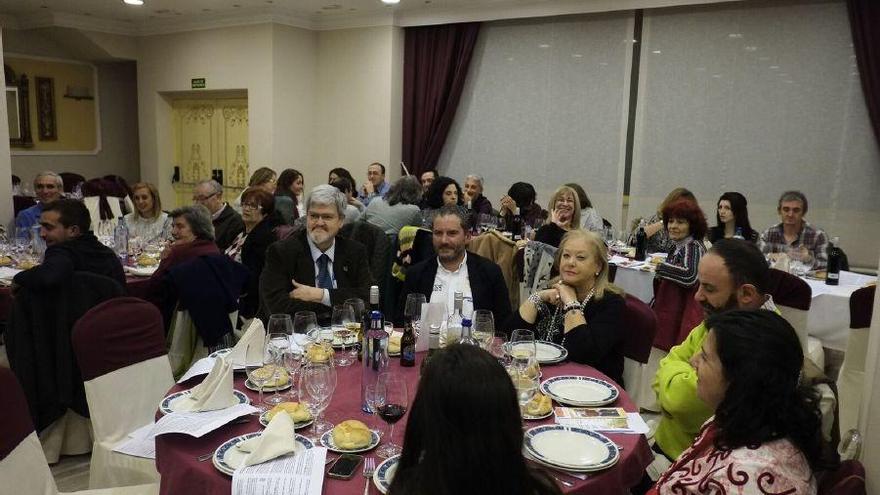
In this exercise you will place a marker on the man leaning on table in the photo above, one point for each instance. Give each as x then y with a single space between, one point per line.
48 187
795 232
375 186
313 269
70 247
456 269
732 275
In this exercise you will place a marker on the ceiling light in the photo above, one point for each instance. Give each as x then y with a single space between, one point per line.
390 2
134 2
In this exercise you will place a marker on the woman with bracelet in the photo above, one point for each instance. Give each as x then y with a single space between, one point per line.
581 310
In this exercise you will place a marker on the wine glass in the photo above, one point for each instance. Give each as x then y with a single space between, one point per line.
526 386
522 348
498 348
304 322
483 327
341 322
22 238
392 409
374 395
280 323
276 345
256 377
318 382
412 312
292 361
356 326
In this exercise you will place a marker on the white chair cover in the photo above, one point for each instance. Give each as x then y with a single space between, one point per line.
69 435
642 391
811 346
850 381
114 416
185 346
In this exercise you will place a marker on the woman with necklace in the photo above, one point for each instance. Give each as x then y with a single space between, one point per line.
581 310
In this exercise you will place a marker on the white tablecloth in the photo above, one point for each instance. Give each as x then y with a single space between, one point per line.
827 320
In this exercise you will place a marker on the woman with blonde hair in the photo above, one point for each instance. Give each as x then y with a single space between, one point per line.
147 222
565 215
581 309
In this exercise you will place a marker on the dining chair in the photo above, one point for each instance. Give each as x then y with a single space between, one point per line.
793 297
639 325
23 466
120 346
847 479
851 378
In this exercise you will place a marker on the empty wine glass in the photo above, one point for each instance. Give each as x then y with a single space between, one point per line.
356 326
341 323
292 361
257 378
304 322
276 345
318 382
392 409
280 323
22 239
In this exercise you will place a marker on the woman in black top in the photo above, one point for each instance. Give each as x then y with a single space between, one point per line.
732 214
565 214
582 310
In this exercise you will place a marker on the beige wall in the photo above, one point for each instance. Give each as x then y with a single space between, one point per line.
360 84
5 162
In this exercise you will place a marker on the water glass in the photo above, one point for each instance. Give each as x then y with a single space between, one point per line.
280 323
317 384
343 325
412 312
304 321
522 348
276 345
257 378
526 387
356 325
292 361
483 327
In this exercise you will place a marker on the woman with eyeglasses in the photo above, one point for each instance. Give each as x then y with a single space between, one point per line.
249 248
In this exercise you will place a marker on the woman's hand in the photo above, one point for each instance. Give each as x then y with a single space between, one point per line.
549 296
561 218
567 294
507 203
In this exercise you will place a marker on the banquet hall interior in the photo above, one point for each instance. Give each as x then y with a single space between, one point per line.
629 99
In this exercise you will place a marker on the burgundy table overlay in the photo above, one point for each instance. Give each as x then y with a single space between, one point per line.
176 454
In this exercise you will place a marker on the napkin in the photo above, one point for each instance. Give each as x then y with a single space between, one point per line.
215 391
255 333
276 440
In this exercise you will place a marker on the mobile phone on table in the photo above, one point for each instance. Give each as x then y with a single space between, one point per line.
345 466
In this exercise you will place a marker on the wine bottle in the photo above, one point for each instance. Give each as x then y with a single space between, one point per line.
375 356
641 242
408 345
466 334
455 319
835 257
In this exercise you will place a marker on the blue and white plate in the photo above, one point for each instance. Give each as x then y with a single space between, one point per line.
580 391
173 402
569 447
227 458
220 352
327 441
266 388
385 473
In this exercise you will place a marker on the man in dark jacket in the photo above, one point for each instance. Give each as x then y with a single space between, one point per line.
227 222
457 270
70 247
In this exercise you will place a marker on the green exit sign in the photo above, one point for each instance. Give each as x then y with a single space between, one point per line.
198 83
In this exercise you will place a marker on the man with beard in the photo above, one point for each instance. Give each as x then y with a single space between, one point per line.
457 270
732 275
314 269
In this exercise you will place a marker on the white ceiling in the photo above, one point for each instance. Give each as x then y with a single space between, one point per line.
162 16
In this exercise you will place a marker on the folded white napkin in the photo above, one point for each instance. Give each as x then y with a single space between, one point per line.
141 271
255 333
215 391
276 440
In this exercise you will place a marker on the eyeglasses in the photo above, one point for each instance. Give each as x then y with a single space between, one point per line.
204 198
251 206
45 186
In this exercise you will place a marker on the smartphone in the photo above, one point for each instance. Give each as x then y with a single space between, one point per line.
344 466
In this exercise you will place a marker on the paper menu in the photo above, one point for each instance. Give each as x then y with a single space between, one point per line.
608 419
300 474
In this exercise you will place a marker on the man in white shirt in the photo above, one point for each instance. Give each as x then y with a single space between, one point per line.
314 269
457 270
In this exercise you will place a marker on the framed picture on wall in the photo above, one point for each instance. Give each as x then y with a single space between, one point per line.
47 130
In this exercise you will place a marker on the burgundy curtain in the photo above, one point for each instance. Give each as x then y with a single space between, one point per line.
435 65
864 21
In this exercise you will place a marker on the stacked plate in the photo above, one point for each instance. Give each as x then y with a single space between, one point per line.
227 458
570 448
384 473
580 391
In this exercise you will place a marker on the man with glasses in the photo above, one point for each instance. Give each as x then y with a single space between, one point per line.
49 187
227 222
313 269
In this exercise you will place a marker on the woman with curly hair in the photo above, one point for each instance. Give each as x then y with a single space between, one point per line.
765 436
685 227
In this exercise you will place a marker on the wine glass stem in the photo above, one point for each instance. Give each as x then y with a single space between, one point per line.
261 393
391 434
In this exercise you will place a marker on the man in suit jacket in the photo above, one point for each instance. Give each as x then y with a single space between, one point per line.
227 222
314 269
456 269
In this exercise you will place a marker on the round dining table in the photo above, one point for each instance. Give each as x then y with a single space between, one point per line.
181 471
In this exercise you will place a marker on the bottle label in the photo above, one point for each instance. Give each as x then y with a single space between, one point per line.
833 276
408 354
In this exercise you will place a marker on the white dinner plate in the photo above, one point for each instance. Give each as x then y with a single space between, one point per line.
227 458
250 386
582 391
570 447
384 473
546 352
264 420
327 441
529 417
173 402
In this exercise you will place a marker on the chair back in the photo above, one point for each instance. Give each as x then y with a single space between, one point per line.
677 313
793 297
640 326
851 377
71 180
502 251
861 307
847 479
22 462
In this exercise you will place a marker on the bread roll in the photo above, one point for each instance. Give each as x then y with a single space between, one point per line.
318 354
298 412
278 380
144 260
539 405
5 261
394 343
351 434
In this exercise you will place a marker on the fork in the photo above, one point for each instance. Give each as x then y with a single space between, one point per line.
369 467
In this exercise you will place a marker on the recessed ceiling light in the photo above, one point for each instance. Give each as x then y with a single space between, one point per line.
390 2
134 2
